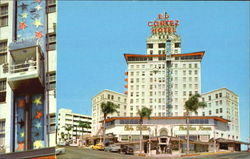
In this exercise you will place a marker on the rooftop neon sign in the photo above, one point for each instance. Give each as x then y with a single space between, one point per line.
163 24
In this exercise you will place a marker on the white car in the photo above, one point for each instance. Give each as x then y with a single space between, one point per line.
61 143
60 150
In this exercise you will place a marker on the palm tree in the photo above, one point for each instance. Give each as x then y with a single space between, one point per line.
68 128
144 112
192 105
107 108
84 124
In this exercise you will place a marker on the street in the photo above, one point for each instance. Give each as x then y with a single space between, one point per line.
75 153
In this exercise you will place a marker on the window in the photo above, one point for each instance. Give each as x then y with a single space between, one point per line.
184 72
2 126
220 94
203 113
151 52
190 65
177 45
150 46
209 97
220 110
210 112
52 81
2 91
3 46
3 15
51 41
216 95
51 6
217 111
161 45
52 122
195 72
190 72
195 65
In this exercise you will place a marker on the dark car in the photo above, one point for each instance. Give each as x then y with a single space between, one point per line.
112 148
127 150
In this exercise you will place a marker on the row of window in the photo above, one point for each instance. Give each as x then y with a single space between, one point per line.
190 65
163 45
210 112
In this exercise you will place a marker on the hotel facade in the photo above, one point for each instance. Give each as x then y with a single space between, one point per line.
163 79
27 74
67 118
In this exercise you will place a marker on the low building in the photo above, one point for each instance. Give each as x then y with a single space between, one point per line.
223 103
106 96
67 118
202 130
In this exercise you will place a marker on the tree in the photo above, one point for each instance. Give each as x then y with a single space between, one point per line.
107 108
68 128
84 124
62 134
143 113
192 105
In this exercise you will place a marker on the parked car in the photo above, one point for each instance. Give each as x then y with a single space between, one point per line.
61 143
98 147
127 150
112 148
60 150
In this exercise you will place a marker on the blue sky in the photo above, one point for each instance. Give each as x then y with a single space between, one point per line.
93 36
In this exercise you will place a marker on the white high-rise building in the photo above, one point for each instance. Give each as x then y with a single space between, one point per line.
67 118
27 74
106 96
224 103
164 78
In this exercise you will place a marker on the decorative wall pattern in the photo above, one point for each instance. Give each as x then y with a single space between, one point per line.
34 107
37 121
20 123
31 20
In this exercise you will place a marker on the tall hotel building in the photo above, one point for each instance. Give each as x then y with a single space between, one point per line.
27 74
164 78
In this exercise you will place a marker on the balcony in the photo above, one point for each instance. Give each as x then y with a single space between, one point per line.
126 86
26 65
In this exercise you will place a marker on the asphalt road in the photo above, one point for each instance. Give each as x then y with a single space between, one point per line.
75 153
79 153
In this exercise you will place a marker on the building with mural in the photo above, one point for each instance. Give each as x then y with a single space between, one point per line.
27 74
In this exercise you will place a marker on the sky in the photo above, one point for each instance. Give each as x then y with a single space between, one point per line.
93 36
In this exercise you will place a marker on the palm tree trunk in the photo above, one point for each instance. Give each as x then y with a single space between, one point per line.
103 135
82 135
187 132
141 136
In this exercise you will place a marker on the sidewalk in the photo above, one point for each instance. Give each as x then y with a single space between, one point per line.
205 153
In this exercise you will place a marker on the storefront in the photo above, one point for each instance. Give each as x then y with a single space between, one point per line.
165 133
